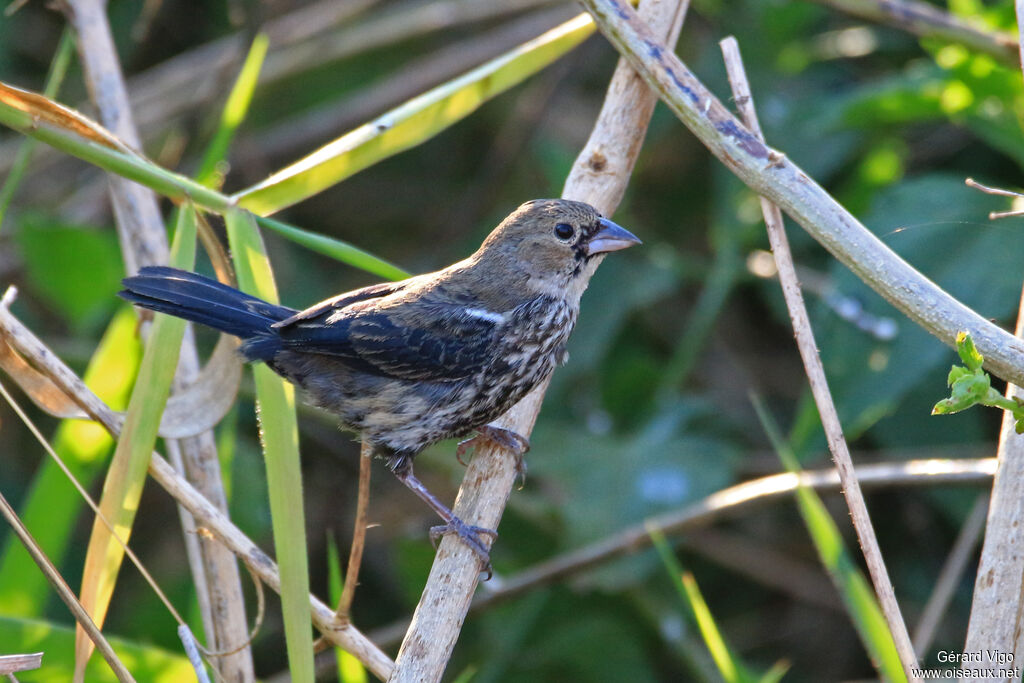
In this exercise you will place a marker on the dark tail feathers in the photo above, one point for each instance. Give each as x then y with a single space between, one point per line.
208 302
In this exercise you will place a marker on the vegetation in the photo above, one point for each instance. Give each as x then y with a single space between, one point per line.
430 120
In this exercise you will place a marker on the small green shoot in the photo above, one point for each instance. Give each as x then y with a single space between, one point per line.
970 385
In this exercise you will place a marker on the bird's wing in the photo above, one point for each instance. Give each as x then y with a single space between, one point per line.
329 306
419 339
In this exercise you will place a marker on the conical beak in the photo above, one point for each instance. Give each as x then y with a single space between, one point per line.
610 237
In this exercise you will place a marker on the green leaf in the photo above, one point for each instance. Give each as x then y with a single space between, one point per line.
74 268
350 670
279 433
122 488
730 669
412 122
235 110
336 249
968 351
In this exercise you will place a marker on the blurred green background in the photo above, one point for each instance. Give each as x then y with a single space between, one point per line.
652 411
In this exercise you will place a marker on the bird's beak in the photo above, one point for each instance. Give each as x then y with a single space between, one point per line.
610 237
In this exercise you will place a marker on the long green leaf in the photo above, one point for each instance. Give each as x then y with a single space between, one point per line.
51 506
336 249
729 668
122 488
50 122
412 122
235 110
280 435
856 593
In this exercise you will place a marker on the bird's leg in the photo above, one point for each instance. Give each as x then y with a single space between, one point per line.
517 444
470 535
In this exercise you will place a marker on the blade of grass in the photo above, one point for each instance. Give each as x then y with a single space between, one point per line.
335 248
412 122
686 586
349 668
235 110
58 69
856 593
47 121
122 488
280 435
49 507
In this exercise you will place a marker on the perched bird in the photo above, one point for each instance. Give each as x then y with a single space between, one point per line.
406 364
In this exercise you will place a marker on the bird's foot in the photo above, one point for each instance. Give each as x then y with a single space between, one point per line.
470 535
517 444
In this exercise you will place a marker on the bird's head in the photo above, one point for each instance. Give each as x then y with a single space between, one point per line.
556 244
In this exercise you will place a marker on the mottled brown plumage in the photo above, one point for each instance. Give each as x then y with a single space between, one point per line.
436 356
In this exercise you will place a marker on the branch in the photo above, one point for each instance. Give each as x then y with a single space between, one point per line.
769 173
599 177
721 504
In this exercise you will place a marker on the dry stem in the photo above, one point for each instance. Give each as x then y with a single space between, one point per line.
598 178
819 384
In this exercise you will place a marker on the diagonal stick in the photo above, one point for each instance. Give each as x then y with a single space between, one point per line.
819 384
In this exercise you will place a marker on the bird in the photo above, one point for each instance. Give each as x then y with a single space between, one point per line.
436 356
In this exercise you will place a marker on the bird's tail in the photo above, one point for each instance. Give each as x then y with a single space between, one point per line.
208 302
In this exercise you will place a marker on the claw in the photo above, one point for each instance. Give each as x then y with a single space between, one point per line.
470 535
517 444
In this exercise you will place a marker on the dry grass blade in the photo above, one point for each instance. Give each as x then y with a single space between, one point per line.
10 664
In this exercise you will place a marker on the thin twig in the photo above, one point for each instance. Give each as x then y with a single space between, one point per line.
950 574
728 502
207 515
355 555
819 384
65 592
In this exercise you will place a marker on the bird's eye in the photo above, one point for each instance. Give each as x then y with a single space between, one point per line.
563 231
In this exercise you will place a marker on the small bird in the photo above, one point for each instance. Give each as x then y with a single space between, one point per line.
437 356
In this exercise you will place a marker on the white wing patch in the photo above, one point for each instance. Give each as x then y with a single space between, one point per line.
484 314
